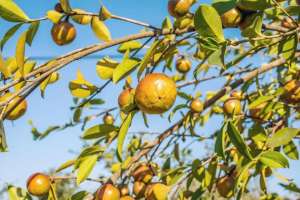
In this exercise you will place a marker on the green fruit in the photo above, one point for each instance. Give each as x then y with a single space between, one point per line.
183 65
196 106
108 119
231 18
179 8
232 106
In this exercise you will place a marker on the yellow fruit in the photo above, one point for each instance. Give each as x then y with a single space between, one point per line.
18 111
157 191
231 18
108 119
80 18
237 94
155 94
127 198
143 173
183 65
63 33
38 184
108 192
196 106
124 190
232 106
126 99
292 92
179 8
139 189
225 186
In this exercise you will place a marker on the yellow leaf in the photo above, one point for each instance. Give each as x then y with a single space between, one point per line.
28 67
54 16
100 29
80 87
10 11
20 52
105 68
3 68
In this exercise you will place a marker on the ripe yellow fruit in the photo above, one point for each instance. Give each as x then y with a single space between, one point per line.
139 189
292 92
179 8
63 33
183 65
126 99
157 191
38 184
18 111
232 106
155 94
225 186
237 94
127 198
108 119
231 18
143 173
108 192
196 106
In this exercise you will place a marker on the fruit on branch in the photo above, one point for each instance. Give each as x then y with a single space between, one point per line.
232 106
231 18
18 111
257 113
155 94
183 65
139 189
237 94
108 119
157 191
196 106
108 192
38 184
81 17
292 92
184 22
126 198
63 33
179 8
143 172
58 8
225 186
126 99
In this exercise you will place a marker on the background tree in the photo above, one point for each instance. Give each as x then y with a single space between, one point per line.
259 114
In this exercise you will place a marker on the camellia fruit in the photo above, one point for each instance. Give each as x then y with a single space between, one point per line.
108 119
179 8
183 65
157 191
139 189
237 94
196 106
155 94
108 192
18 111
232 106
63 33
143 173
38 184
231 18
225 186
126 99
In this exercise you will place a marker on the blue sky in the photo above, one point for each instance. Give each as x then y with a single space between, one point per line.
26 156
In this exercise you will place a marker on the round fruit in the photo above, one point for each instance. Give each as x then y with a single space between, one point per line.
231 18
183 65
258 112
143 173
80 17
18 111
232 106
126 99
63 33
179 8
196 106
139 189
225 186
38 184
292 92
155 94
108 192
124 190
108 119
58 8
157 191
237 94
127 198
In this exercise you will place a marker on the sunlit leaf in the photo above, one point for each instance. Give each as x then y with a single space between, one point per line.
129 46
282 137
274 159
291 151
85 168
20 52
80 87
65 165
10 11
98 131
100 29
9 34
32 32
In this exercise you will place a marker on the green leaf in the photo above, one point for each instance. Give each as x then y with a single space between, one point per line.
208 23
287 47
16 193
220 142
100 29
105 68
9 34
129 46
65 165
32 32
237 140
290 150
20 52
80 87
85 168
79 195
274 159
223 6
123 132
282 137
291 187
253 25
147 57
124 68
243 174
10 11
3 144
259 101
98 131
